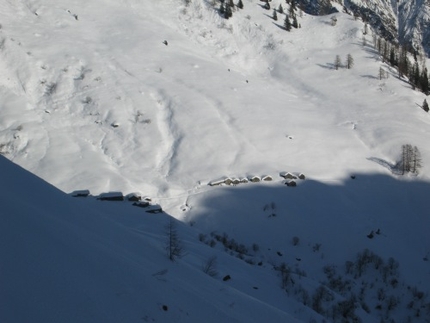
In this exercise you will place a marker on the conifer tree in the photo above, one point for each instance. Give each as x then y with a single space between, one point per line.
228 12
295 24
222 9
280 9
381 73
287 23
407 152
414 76
292 8
240 4
275 16
337 62
411 159
416 160
393 58
386 51
403 63
349 61
424 81
173 244
293 5
425 106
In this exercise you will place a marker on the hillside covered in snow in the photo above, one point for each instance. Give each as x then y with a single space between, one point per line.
207 120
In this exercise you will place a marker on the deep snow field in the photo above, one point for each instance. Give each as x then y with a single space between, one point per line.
91 98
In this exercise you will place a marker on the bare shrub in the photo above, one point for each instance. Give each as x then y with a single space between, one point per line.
209 267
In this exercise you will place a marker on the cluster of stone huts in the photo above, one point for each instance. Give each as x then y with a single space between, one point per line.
139 201
290 179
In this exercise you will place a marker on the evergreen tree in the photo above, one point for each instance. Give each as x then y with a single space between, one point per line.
416 160
173 244
349 61
403 62
406 158
382 73
337 62
386 51
424 81
275 16
280 9
231 3
292 8
287 23
222 9
267 6
240 4
295 24
414 76
411 159
425 106
293 5
393 58
379 44
228 12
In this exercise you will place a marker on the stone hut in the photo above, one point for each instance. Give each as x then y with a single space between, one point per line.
80 193
111 196
287 175
254 179
133 197
291 183
267 178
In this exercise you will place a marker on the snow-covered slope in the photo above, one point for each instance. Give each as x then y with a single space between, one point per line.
68 259
161 99
92 98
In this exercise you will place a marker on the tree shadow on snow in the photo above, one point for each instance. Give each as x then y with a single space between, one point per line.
327 66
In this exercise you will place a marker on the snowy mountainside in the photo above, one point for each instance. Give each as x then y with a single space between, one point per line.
99 102
403 22
65 259
164 98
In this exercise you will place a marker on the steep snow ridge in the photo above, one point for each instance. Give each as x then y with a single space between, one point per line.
74 260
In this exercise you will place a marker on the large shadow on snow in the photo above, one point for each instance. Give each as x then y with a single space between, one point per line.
387 214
